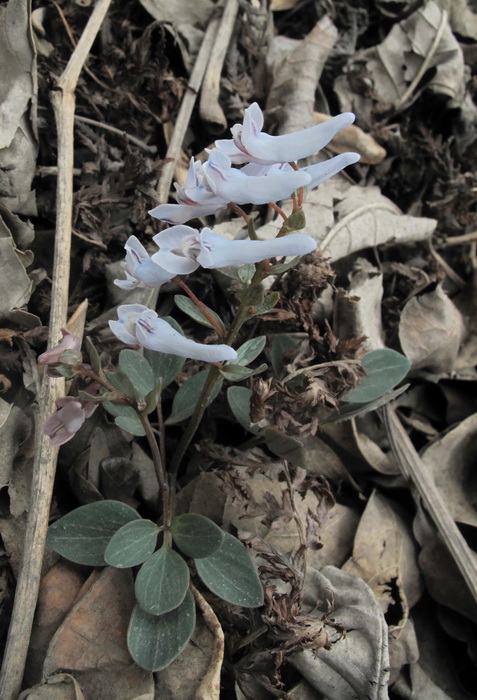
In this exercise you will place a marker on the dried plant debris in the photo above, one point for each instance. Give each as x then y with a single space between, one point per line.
362 598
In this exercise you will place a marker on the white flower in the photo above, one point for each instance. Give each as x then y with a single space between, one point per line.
138 324
141 271
250 144
183 249
211 186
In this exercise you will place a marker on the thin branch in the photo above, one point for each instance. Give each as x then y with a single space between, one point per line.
119 132
45 462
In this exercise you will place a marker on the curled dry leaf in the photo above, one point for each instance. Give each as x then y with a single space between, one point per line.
393 65
451 461
352 138
91 642
431 331
384 555
296 68
61 686
346 218
357 666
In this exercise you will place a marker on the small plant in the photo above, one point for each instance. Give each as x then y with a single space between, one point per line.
111 533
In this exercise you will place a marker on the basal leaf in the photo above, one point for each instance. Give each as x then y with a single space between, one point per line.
83 535
138 371
196 535
132 544
162 582
131 424
186 398
154 641
384 369
239 398
229 573
188 307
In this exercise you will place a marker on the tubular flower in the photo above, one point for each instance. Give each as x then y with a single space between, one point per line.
68 419
250 144
211 186
52 356
183 249
138 324
140 270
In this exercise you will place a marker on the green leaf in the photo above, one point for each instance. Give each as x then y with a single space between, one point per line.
188 307
229 573
284 267
235 373
196 535
280 344
246 272
154 641
132 544
353 410
239 398
93 355
250 350
285 447
165 366
384 369
186 398
121 383
138 371
268 303
83 535
131 424
162 582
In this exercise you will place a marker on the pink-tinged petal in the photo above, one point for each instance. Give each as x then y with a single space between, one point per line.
66 422
172 238
174 263
323 171
180 213
69 342
216 251
72 415
158 335
234 186
140 270
121 333
228 147
291 147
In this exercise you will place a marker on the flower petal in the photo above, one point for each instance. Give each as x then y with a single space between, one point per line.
322 171
217 251
160 336
175 264
172 238
121 333
180 213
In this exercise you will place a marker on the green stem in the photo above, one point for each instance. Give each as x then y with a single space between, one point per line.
214 376
161 475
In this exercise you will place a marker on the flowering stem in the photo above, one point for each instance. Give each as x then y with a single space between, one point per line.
212 379
202 308
238 210
160 473
278 209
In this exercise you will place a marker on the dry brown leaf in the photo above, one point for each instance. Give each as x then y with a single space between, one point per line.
397 61
61 686
358 665
431 331
352 138
91 642
296 68
403 651
385 556
451 460
346 218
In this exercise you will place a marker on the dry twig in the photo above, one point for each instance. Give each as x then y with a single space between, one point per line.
63 100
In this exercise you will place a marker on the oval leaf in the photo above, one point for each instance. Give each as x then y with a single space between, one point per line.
154 641
162 582
239 398
186 398
384 369
188 307
229 573
132 544
131 424
250 350
138 371
196 535
83 535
